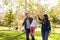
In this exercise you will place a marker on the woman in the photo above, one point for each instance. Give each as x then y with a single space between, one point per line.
45 27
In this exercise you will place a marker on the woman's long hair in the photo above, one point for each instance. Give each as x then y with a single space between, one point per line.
46 16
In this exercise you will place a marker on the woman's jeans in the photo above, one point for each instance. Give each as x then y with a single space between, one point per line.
45 35
27 34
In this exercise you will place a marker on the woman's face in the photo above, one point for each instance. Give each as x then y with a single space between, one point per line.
43 17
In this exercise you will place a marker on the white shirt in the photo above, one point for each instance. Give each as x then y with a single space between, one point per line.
28 24
33 24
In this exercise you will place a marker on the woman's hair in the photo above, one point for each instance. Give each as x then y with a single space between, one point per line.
46 16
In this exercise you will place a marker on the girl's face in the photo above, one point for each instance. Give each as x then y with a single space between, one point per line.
33 17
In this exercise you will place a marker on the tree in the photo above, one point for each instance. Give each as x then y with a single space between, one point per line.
9 17
32 6
55 14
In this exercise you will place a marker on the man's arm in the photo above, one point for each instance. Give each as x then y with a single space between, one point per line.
24 23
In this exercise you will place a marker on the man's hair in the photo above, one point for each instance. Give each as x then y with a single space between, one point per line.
26 14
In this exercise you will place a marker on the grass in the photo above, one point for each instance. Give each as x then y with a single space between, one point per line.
6 34
17 35
11 35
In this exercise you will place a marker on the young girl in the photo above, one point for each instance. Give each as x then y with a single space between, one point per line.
32 27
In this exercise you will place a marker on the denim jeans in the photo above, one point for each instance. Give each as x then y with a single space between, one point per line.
45 35
27 35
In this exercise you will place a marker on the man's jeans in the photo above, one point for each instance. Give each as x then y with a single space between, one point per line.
27 34
45 35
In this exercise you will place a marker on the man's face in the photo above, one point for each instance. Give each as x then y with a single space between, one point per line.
28 15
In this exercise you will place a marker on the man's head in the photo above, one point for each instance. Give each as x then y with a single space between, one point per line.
27 15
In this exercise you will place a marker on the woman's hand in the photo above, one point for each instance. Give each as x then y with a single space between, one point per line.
49 33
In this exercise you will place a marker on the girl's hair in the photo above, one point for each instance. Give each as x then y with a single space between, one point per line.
46 16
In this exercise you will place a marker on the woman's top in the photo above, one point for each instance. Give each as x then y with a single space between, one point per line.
45 25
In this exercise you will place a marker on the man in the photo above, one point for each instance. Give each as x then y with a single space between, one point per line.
27 22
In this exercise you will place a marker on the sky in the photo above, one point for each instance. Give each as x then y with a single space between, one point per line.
4 8
50 2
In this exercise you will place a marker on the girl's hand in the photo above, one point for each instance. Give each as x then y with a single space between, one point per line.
38 16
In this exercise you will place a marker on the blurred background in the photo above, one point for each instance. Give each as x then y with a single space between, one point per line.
12 15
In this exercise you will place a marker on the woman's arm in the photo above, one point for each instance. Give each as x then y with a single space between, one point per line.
49 26
40 19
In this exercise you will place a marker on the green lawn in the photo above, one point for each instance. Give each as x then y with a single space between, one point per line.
6 34
17 35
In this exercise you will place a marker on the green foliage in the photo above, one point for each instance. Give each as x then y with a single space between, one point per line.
9 17
6 2
55 20
32 6
0 22
55 15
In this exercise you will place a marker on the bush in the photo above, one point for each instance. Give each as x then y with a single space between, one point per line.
9 17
